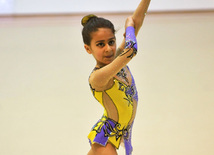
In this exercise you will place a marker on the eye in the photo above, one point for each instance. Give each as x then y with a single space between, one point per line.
111 42
100 44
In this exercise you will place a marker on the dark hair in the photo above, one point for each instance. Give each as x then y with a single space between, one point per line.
91 23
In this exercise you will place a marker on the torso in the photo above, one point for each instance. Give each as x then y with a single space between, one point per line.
119 97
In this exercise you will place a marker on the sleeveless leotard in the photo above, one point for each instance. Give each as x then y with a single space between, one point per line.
108 130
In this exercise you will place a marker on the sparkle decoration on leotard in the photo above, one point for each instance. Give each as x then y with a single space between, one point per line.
108 130
123 74
129 91
129 46
130 42
111 128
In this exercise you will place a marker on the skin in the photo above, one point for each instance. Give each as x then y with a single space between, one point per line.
110 62
97 149
104 55
103 49
138 17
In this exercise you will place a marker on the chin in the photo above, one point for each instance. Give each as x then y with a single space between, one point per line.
108 62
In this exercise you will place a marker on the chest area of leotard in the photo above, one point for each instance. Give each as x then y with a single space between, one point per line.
121 89
122 94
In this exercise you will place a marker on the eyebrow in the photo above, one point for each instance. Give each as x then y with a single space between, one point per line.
104 40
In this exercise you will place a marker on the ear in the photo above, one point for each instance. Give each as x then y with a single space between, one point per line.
88 49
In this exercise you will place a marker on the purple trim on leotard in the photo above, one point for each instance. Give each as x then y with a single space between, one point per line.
130 39
109 127
135 96
127 141
104 132
106 128
127 138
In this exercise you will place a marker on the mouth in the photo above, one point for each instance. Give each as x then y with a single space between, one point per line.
109 56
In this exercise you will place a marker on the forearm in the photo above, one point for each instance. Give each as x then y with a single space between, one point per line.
138 18
104 74
139 14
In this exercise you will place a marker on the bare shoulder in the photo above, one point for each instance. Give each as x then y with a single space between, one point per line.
92 78
99 83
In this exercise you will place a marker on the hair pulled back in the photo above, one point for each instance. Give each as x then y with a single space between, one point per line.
92 23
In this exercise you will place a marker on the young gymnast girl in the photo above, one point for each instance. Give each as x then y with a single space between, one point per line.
111 81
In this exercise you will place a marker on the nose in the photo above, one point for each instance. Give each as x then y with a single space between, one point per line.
108 48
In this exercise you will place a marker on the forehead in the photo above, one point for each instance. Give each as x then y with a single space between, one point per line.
102 34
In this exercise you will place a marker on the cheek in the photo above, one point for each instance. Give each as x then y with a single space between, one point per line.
114 48
98 54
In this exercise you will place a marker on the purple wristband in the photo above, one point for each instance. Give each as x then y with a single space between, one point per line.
131 41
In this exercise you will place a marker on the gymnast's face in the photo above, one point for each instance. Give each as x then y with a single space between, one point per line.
103 46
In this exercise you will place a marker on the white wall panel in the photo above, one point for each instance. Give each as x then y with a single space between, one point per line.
6 6
78 6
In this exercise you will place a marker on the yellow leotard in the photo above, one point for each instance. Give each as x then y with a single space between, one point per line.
107 129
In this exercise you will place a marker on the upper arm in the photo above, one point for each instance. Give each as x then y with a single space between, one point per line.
139 14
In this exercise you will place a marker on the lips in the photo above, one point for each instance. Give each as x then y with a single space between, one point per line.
109 56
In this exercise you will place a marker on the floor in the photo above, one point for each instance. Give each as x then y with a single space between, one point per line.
46 106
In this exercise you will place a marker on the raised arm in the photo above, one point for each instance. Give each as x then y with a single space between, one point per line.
139 14
138 18
100 78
